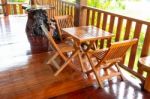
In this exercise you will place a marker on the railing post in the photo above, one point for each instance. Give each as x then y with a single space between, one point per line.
83 13
4 4
33 2
78 12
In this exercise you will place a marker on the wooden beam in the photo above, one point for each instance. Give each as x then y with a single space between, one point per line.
78 12
83 13
33 2
4 2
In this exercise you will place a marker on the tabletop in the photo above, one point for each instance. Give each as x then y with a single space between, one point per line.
87 33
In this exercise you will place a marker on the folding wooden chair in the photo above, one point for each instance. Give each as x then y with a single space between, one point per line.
108 60
63 22
60 50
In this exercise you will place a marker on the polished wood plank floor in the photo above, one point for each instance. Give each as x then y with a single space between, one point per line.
27 76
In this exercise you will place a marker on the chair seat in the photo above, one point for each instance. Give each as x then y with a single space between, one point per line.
66 47
99 54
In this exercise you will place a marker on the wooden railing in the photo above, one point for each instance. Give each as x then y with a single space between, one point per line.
60 7
14 8
124 28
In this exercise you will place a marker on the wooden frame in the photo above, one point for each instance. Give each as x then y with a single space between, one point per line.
108 58
60 49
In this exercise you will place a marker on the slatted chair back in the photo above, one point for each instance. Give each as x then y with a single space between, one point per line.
63 22
117 50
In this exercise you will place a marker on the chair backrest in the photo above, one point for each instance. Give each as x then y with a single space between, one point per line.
117 50
48 34
63 22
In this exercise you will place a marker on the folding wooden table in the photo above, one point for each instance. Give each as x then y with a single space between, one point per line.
86 34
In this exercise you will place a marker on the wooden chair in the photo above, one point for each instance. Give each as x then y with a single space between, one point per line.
63 22
60 50
108 60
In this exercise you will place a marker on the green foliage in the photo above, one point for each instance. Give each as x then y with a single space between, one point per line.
107 4
17 0
70 0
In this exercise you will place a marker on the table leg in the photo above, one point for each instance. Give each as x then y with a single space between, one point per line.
81 62
147 84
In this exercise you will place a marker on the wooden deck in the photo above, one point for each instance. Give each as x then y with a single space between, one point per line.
27 76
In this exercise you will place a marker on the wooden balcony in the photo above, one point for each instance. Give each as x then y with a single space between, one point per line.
26 75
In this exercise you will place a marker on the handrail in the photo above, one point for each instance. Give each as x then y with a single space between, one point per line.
70 3
118 15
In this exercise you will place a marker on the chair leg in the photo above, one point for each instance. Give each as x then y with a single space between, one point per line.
66 63
100 82
55 64
52 58
121 75
81 62
106 71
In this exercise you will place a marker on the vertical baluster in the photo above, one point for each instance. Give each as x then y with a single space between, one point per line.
14 9
20 9
98 19
134 48
68 9
111 26
64 9
62 4
93 17
71 12
49 11
98 25
128 29
119 26
8 9
57 9
105 16
127 33
88 16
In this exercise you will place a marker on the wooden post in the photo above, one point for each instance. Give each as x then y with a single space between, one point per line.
147 82
4 4
33 2
78 13
83 13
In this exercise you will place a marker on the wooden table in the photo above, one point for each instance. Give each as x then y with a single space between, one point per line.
86 33
145 66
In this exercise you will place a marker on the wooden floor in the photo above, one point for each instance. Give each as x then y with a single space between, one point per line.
27 76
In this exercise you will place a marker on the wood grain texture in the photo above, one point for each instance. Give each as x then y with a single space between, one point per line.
87 33
24 76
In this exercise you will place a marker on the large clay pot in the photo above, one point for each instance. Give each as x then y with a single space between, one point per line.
36 37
